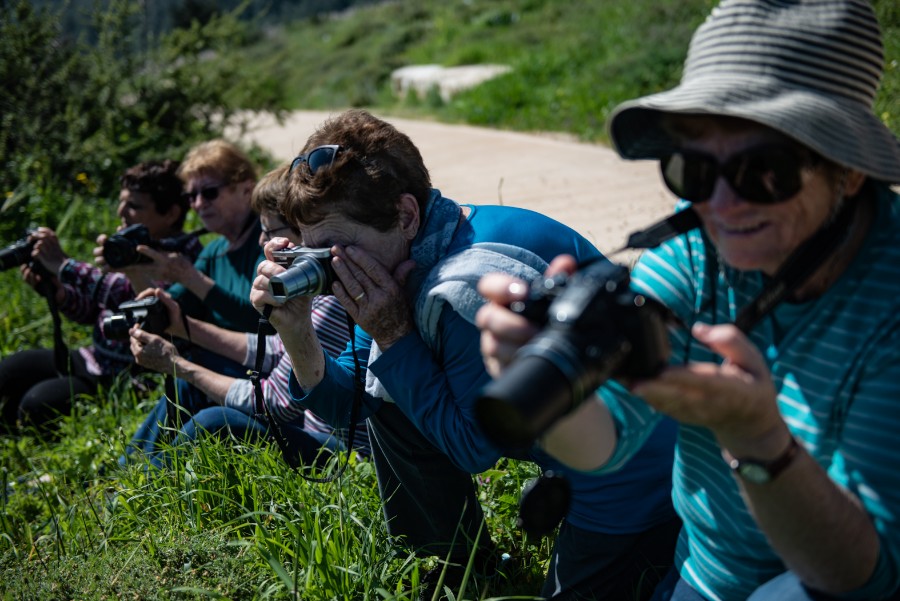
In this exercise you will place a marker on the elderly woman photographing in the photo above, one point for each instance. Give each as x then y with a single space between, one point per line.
785 386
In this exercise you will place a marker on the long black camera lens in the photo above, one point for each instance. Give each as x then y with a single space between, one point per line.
547 379
17 253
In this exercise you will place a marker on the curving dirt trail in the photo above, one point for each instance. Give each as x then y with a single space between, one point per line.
585 186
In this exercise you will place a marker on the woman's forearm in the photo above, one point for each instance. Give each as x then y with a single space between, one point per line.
211 337
213 384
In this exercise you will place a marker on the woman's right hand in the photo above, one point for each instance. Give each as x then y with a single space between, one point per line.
99 261
48 250
176 320
503 332
295 310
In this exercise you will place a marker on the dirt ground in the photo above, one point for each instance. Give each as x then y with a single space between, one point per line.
585 186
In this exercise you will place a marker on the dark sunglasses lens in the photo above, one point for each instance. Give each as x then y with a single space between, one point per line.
767 175
210 193
690 176
320 157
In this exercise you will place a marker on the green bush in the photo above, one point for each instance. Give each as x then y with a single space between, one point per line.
79 113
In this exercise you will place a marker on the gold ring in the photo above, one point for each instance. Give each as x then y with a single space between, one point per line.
358 297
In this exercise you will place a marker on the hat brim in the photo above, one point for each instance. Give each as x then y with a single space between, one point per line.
840 130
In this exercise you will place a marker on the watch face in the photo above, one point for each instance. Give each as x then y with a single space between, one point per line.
755 473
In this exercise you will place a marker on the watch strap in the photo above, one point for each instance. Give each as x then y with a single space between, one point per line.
771 468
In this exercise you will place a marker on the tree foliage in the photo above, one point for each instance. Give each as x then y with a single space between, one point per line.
76 114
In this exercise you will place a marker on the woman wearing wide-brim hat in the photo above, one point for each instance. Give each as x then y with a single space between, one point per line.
786 379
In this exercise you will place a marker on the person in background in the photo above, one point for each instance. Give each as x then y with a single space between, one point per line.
230 407
34 390
407 260
219 180
786 379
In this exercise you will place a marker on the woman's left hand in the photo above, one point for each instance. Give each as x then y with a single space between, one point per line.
372 296
736 400
152 351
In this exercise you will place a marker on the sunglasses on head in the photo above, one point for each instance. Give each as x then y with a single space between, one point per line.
321 156
765 174
207 192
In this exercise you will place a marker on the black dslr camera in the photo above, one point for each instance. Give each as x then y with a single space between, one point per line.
120 249
309 273
17 253
149 312
595 328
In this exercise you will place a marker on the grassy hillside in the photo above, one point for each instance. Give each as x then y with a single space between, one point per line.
572 62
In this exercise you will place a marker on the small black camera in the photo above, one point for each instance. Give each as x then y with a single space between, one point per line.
150 313
16 254
120 249
595 328
309 273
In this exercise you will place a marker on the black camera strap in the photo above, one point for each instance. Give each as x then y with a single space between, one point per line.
665 229
263 414
799 266
46 289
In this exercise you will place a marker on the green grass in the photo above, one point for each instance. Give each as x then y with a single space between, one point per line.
227 521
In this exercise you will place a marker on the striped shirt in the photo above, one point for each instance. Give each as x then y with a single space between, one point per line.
835 363
329 321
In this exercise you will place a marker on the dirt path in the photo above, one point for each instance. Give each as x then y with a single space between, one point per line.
584 186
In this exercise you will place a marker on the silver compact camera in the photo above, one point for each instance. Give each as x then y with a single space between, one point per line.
309 273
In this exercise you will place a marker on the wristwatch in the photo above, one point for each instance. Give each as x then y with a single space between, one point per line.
758 471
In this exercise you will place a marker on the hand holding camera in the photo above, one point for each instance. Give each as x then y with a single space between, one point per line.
149 313
39 255
152 351
596 328
47 249
177 322
142 259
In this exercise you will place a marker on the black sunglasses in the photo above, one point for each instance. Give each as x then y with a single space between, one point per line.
321 156
765 174
207 192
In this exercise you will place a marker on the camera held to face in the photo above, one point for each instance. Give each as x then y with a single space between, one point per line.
120 249
16 254
150 313
595 328
309 273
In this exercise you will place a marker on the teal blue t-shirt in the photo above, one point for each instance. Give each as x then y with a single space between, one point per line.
835 363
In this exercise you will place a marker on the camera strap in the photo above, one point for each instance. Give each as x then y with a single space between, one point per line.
798 267
674 225
60 349
263 414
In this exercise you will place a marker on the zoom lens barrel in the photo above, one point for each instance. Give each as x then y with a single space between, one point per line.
305 277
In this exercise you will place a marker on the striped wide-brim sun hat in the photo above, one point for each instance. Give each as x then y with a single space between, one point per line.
806 68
